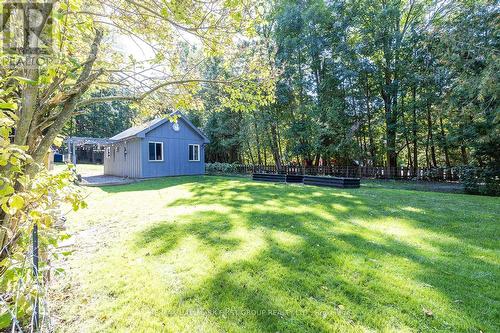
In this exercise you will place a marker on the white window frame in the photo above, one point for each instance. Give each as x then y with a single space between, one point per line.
189 147
162 152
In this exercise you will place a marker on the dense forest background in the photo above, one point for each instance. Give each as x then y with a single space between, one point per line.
374 83
102 120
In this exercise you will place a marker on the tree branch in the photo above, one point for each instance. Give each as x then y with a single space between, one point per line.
69 102
5 17
142 96
30 93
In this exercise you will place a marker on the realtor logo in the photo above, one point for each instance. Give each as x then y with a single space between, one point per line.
26 27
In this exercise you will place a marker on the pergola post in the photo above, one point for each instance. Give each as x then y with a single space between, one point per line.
73 153
74 142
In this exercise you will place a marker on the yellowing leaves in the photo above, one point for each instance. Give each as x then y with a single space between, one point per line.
16 202
24 80
6 190
58 141
13 205
8 105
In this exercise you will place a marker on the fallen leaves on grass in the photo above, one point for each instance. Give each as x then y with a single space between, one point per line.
428 312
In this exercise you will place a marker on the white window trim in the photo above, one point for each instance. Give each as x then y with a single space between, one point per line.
193 153
162 152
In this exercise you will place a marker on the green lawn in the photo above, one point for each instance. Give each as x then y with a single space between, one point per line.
215 254
83 169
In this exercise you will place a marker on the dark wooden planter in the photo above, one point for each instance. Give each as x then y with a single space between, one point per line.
341 182
269 177
294 179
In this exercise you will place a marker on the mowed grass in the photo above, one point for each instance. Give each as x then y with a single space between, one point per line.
215 254
83 169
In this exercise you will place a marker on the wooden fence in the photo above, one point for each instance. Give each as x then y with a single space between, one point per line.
403 173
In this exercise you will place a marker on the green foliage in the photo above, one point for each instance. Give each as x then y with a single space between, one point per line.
26 200
102 120
469 53
224 131
480 180
218 168
406 83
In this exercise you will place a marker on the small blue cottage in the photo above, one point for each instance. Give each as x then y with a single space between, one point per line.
156 149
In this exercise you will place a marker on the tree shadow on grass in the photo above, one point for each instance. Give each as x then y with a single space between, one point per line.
164 237
432 212
331 276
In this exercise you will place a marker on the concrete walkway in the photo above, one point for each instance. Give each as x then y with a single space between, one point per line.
101 180
93 175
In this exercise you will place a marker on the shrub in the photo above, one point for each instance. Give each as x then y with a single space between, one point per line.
484 181
217 168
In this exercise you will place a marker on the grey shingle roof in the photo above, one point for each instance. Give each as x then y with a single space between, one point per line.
133 131
136 130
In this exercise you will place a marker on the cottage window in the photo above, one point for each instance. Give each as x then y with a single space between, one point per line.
156 151
194 153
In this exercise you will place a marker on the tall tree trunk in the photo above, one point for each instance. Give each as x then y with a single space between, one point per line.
257 138
390 122
365 147
278 137
427 159
431 137
390 107
409 161
274 145
445 146
408 147
373 153
317 159
249 152
415 131
463 153
273 140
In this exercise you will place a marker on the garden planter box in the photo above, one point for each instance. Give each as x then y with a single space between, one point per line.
294 179
341 182
269 177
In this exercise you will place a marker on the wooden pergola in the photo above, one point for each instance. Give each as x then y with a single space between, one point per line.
74 141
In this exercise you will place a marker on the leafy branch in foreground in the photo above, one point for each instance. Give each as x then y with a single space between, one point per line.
83 60
26 200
